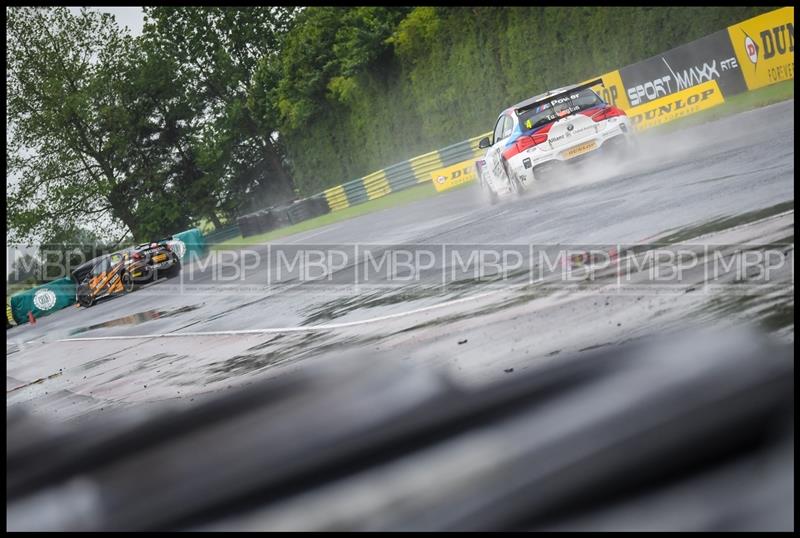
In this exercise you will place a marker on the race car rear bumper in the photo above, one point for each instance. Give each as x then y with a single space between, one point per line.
149 271
530 164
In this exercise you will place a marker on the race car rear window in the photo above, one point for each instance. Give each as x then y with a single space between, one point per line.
101 267
559 106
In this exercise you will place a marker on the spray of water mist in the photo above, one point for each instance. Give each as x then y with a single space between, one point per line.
655 149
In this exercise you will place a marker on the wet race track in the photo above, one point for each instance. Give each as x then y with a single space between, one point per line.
230 321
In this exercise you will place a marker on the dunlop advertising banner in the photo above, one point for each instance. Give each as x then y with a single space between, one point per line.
612 91
709 58
676 105
764 47
451 176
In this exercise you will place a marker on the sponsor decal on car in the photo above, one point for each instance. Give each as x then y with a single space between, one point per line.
579 150
44 299
676 105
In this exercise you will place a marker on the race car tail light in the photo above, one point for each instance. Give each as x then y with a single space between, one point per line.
525 142
608 112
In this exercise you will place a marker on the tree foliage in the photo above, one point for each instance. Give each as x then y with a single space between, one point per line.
63 136
235 156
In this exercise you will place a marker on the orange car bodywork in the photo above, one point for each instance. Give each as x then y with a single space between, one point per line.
108 282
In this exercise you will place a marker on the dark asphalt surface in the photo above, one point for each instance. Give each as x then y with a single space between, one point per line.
682 182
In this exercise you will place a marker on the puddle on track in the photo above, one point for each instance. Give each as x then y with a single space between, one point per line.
136 319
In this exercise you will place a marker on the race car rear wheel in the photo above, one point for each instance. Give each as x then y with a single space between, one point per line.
84 296
488 193
512 180
173 271
519 190
127 282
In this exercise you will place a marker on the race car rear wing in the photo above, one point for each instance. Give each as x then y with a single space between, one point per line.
556 96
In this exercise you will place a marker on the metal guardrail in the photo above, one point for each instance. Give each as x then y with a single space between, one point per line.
400 175
394 178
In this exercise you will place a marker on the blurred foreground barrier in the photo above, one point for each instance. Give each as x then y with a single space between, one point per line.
42 300
687 431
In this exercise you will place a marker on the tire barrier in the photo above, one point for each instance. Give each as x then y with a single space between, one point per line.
247 225
42 300
400 176
273 218
305 209
218 236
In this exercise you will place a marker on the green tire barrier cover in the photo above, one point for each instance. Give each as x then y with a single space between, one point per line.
185 243
43 300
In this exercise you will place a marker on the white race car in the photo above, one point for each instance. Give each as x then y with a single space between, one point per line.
544 135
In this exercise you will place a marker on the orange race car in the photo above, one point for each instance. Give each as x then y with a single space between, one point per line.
119 272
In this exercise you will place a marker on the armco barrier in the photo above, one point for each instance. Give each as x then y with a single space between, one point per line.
400 176
42 300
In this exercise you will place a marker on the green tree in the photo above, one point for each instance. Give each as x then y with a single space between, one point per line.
231 157
326 49
89 122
